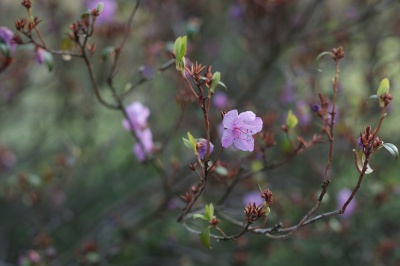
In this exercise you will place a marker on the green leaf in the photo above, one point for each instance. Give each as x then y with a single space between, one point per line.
223 85
187 143
215 80
256 166
207 213
360 163
320 56
93 257
85 15
221 170
192 141
201 216
392 149
180 46
177 48
374 96
183 47
100 7
107 52
211 209
48 60
66 44
384 87
291 120
5 50
35 181
267 209
205 237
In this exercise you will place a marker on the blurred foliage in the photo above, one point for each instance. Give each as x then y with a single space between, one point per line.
72 191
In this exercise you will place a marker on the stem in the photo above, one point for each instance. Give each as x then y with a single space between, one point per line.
330 156
94 82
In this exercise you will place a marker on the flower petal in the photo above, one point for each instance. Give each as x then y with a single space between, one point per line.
146 138
230 118
248 115
245 144
251 126
227 138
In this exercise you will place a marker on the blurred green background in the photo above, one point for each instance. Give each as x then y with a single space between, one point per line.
73 193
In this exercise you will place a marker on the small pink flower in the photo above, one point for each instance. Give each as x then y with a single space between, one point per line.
253 196
33 256
239 129
109 10
220 100
6 37
202 148
39 59
341 198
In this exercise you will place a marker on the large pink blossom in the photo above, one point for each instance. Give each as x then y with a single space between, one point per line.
239 129
138 114
146 145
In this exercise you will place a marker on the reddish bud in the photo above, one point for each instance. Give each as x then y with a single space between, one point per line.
386 98
214 221
20 23
26 3
338 53
267 195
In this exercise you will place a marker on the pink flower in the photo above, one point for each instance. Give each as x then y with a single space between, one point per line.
341 198
40 54
253 196
6 37
146 142
239 129
202 148
108 12
220 99
138 115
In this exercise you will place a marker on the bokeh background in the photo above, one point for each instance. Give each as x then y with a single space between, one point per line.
73 193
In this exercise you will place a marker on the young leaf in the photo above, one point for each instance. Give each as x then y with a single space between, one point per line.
187 143
384 87
107 53
48 60
5 50
85 15
183 47
267 209
100 7
291 120
211 209
201 216
360 163
221 170
180 51
373 96
205 237
66 44
192 141
207 213
215 80
223 85
392 149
